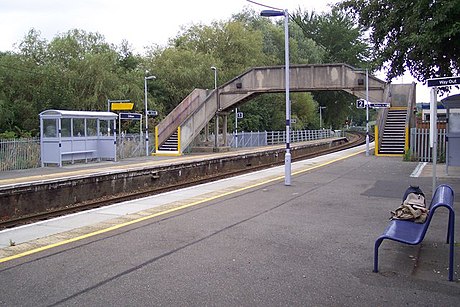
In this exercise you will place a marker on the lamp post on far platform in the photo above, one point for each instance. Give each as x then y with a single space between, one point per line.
146 115
287 157
216 132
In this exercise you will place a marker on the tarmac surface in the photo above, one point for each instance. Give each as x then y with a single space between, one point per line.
247 241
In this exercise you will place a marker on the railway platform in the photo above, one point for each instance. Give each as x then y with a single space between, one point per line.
245 240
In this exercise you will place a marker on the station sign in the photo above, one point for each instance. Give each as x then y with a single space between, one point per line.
133 116
379 105
122 106
152 113
444 81
360 103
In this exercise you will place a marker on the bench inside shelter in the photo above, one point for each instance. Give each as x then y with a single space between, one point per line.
412 233
69 136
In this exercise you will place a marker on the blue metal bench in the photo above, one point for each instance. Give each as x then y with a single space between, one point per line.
412 233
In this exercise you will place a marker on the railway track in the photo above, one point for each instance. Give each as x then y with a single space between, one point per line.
356 139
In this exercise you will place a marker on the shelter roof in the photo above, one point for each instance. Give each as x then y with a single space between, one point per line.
76 114
452 101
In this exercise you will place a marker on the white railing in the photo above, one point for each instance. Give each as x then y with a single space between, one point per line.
264 138
131 145
420 149
24 153
19 154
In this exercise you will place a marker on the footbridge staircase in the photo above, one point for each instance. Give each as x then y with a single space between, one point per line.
190 117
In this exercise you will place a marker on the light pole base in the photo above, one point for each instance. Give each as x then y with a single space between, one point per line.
367 145
287 169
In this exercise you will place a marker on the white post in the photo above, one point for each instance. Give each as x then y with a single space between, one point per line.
216 132
287 159
146 115
434 132
367 113
236 127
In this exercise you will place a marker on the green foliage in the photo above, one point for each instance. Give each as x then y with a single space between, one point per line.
79 70
341 40
421 36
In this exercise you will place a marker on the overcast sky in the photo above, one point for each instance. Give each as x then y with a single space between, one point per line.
140 22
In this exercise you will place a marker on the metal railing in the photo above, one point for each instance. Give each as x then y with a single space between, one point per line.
18 154
264 138
130 145
420 149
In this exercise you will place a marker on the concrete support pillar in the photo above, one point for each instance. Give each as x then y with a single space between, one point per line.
224 130
216 131
206 132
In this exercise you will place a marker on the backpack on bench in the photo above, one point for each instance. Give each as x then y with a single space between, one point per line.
413 207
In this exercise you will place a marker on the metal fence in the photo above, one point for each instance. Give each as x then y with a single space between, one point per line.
264 138
18 154
420 149
131 145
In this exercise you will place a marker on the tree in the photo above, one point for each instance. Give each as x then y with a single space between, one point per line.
178 72
236 46
421 36
341 40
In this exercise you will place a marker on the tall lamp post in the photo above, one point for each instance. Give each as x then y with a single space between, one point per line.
367 112
146 115
287 157
216 132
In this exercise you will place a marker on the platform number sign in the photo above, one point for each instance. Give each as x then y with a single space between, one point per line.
239 115
361 103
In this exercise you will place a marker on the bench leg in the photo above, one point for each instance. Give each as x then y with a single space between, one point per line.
451 244
376 254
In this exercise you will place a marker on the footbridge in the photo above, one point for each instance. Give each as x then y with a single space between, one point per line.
191 116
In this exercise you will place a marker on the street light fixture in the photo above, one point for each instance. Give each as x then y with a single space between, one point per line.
146 115
287 157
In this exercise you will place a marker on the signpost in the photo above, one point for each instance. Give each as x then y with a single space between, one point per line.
434 84
131 116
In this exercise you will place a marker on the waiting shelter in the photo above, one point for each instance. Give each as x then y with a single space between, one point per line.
452 104
77 135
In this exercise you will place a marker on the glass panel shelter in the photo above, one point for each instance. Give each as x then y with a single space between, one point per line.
452 104
77 135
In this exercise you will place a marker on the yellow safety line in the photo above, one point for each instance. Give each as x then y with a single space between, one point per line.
115 227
